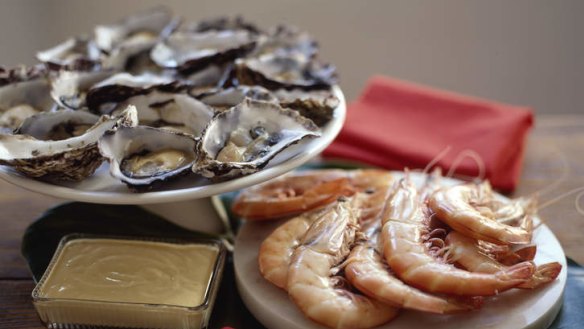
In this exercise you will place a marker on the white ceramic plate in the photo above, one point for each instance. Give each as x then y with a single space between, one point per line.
102 188
514 309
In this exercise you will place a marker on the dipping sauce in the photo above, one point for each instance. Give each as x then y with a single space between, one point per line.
132 271
137 283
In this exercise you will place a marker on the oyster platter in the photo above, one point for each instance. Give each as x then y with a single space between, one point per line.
153 108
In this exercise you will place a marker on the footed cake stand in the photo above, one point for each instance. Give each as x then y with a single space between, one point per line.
186 201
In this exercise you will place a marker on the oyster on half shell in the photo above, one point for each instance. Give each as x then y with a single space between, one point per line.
73 158
243 139
176 112
285 71
24 91
57 125
142 156
191 52
105 96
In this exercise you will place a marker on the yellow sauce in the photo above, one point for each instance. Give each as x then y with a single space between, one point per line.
132 271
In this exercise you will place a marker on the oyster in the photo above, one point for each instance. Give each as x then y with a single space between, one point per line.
127 44
69 88
57 125
23 92
146 25
317 105
287 40
222 99
105 96
285 72
191 52
141 156
177 112
73 158
243 139
75 54
223 24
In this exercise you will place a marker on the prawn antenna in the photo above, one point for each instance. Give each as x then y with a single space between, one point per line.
437 158
579 209
473 155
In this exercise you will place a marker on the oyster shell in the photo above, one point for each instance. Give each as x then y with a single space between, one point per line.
317 105
75 54
142 156
145 25
177 112
69 88
243 139
23 93
222 99
105 96
72 159
191 52
223 24
285 72
57 125
287 40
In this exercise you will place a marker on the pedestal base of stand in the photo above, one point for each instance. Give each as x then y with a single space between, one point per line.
197 215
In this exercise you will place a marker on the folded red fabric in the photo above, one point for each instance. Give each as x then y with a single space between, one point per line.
395 124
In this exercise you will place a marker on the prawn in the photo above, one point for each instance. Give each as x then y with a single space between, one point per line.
405 225
313 283
299 192
276 250
369 273
465 251
291 195
467 209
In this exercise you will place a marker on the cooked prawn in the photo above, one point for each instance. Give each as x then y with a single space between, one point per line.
506 255
276 250
465 251
368 272
404 225
312 281
465 208
291 194
299 192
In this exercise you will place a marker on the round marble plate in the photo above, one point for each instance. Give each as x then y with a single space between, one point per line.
514 309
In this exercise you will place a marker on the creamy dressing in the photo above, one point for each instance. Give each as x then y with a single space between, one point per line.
132 271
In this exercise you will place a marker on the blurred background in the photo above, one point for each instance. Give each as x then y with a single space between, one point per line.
525 52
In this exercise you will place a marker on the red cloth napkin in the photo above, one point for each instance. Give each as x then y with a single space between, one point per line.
395 124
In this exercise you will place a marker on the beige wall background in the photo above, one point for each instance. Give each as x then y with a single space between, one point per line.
527 52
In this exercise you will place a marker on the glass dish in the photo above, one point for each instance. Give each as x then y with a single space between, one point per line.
95 310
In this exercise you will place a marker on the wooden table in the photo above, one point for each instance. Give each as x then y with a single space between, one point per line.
554 163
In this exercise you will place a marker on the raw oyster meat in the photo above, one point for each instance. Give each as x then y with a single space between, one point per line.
191 52
142 156
23 93
73 158
243 139
285 72
177 112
